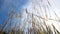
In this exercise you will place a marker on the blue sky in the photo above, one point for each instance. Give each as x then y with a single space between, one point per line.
6 6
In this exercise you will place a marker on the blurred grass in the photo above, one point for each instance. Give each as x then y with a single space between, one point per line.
34 30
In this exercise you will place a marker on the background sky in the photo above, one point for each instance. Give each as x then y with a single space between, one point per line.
6 6
56 6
